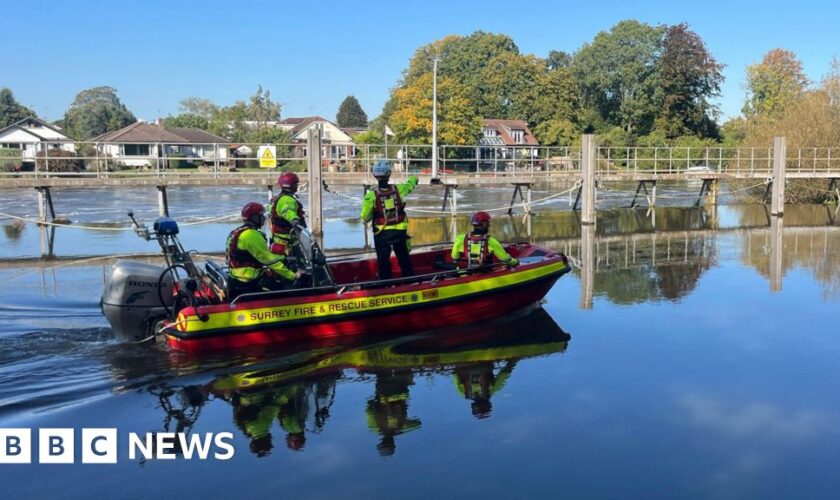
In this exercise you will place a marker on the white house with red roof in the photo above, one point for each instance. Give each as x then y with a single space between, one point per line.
142 144
32 136
505 142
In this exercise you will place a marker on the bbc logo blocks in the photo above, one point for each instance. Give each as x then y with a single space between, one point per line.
57 446
16 446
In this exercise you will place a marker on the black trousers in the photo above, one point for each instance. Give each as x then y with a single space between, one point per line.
397 240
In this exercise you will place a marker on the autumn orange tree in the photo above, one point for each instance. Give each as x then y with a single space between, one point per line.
458 122
775 83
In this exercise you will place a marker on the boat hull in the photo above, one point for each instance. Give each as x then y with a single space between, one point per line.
391 311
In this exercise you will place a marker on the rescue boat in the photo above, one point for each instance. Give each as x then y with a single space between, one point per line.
344 298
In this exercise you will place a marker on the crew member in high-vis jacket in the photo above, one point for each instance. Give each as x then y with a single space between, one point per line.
285 215
385 206
248 255
476 249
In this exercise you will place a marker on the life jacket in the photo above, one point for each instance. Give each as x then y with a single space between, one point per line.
476 250
236 258
388 208
279 225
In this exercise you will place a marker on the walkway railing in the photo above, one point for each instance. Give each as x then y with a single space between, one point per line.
89 160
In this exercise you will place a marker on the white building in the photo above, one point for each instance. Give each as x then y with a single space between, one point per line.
146 144
337 145
32 136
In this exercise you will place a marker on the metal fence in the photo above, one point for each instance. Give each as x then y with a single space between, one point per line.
109 160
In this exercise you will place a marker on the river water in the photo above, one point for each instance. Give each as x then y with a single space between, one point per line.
702 364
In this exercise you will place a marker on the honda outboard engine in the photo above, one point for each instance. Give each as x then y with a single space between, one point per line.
136 296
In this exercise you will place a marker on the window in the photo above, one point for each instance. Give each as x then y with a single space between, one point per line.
136 150
489 132
12 145
518 136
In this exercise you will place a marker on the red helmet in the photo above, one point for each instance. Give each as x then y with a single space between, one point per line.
479 218
251 210
288 180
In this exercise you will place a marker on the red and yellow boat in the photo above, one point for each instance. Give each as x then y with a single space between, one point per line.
357 305
344 298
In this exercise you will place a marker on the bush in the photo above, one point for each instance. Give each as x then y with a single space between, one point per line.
10 159
59 161
177 161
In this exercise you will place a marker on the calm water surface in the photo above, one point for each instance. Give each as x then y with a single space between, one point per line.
704 364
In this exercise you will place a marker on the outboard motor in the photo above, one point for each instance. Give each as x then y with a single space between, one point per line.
138 295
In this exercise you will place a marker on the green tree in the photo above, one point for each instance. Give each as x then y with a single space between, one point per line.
775 83
558 59
11 111
351 114
197 106
689 76
463 60
498 81
229 122
557 132
187 120
369 137
458 122
243 121
831 82
734 131
618 75
96 111
261 108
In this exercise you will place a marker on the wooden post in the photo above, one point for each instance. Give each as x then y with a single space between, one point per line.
588 189
776 252
587 265
42 205
163 202
528 207
313 162
777 202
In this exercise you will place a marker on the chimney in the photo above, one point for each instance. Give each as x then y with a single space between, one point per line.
159 122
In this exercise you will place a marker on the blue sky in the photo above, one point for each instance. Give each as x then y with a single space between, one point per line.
310 55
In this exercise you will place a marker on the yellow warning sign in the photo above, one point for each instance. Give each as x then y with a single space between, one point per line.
267 156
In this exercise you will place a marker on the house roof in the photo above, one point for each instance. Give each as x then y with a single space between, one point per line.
300 124
139 132
352 131
196 135
505 128
27 125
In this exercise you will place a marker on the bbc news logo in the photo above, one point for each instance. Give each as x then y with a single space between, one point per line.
100 446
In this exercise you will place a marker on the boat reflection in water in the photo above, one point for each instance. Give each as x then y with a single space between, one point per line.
296 390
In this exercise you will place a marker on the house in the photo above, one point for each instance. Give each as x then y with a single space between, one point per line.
336 145
505 142
143 144
33 136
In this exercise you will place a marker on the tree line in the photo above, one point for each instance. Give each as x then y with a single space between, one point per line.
634 84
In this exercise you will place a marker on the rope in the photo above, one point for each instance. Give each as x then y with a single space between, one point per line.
105 228
691 196
342 195
502 208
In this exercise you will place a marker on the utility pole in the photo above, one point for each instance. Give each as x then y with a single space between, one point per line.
434 119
